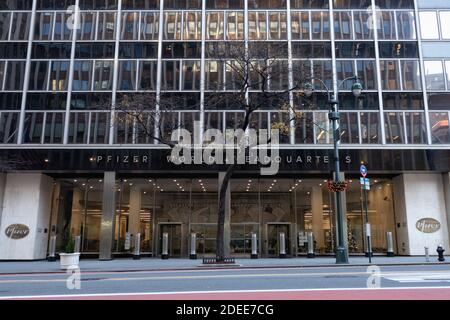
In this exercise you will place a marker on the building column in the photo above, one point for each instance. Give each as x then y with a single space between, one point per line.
418 197
446 178
317 216
108 216
135 211
25 216
227 230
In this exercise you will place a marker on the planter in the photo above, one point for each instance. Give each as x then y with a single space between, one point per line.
69 259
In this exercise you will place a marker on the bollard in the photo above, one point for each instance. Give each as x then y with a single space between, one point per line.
254 246
165 246
282 244
137 247
77 244
310 237
193 255
440 250
390 244
427 254
52 249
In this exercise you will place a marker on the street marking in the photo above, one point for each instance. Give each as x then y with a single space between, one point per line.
395 276
218 292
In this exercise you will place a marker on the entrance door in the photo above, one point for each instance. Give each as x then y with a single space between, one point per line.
273 239
174 232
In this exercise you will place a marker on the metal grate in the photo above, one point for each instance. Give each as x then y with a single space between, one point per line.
218 261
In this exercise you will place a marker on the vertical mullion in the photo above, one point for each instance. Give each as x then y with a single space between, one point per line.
378 72
159 69
27 74
290 72
116 71
422 71
70 73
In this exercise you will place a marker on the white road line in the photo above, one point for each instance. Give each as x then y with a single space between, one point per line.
93 295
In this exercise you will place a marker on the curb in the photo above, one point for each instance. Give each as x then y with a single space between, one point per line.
236 267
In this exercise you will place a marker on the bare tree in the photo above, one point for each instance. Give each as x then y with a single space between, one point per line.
256 78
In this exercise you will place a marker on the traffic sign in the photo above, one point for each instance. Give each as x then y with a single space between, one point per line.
363 171
365 182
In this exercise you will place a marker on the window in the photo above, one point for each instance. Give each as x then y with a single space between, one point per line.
39 73
395 128
361 25
127 75
87 26
406 25
440 129
103 75
390 75
15 74
54 124
386 30
2 73
320 25
170 75
429 25
214 26
78 127
277 26
58 75
370 128
445 24
8 127
214 75
82 76
130 26
447 71
235 26
300 25
192 26
62 32
349 128
367 74
415 127
5 19
191 75
43 26
343 25
411 75
106 26
147 75
99 128
20 29
172 26
434 75
149 25
257 26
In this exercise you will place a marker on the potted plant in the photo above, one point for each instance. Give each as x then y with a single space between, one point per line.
69 258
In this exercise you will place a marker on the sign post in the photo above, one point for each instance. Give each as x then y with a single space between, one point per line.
365 185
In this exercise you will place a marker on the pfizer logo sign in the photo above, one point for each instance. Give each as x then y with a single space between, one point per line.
428 225
17 231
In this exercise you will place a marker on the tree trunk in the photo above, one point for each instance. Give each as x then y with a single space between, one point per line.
220 248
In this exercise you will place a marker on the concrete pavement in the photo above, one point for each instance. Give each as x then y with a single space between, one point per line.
154 264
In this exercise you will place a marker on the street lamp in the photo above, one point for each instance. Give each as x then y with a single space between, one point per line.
334 117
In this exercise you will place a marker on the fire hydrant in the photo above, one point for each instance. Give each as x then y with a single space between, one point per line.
440 250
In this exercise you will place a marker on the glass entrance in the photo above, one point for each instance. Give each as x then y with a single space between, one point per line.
273 239
174 232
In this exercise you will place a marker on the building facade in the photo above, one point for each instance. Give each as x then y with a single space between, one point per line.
69 169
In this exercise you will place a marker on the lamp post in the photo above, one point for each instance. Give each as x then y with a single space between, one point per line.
334 117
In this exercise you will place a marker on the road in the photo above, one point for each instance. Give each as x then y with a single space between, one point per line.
389 282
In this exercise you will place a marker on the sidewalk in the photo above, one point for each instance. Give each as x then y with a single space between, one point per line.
155 264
